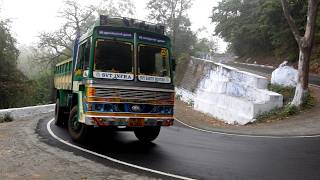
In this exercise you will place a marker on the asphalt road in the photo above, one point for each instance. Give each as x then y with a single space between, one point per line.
313 79
183 151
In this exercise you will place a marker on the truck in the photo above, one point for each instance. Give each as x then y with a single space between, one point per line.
120 77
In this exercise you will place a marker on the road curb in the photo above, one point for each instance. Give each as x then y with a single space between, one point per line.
249 135
255 65
27 111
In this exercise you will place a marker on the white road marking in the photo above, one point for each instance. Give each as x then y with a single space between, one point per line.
112 159
246 135
315 85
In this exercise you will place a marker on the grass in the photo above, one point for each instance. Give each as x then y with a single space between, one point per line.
309 102
6 118
287 110
277 114
190 103
286 92
178 96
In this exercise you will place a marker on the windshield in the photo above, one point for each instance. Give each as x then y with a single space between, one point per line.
113 56
153 61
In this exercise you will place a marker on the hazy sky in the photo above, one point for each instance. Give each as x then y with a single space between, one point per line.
29 17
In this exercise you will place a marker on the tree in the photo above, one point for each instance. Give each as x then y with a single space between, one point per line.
173 14
57 45
258 27
77 19
15 87
205 47
118 8
305 44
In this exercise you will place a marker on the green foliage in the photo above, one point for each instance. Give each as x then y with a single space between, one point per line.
178 96
12 82
204 46
190 102
273 114
286 92
16 89
7 118
76 20
309 102
278 114
184 39
292 57
173 14
255 27
287 110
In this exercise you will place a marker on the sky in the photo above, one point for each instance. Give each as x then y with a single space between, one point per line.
30 17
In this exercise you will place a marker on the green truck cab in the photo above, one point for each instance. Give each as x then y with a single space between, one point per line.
120 77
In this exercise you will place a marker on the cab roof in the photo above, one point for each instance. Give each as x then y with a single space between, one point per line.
124 22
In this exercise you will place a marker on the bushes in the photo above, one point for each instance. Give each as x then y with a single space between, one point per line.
20 93
16 89
287 110
286 92
7 118
309 102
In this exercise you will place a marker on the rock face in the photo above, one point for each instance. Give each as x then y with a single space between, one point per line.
226 93
285 76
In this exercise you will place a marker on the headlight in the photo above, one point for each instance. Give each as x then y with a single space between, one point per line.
99 107
165 110
91 91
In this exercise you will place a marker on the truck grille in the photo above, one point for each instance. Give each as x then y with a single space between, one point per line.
133 94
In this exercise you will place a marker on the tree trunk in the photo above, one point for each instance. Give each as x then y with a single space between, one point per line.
305 47
301 92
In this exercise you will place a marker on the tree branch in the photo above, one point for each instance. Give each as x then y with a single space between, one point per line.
293 26
311 21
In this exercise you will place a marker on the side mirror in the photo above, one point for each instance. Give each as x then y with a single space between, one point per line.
173 64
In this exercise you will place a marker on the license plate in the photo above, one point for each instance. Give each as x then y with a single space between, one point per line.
136 122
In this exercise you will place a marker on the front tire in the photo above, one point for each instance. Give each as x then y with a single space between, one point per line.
59 114
78 131
147 134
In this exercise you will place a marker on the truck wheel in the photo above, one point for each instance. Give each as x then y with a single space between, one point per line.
78 131
147 134
59 114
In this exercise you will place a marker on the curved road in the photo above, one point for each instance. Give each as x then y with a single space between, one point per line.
186 152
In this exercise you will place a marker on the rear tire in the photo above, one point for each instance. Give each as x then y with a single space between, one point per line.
77 130
147 134
59 114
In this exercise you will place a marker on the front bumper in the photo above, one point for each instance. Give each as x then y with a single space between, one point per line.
124 121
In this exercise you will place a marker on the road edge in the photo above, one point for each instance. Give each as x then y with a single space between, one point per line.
248 135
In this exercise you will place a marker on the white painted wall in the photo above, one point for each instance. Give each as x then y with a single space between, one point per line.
231 95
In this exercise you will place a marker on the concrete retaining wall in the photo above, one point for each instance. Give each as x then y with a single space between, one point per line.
226 93
27 111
